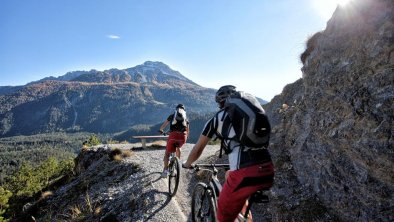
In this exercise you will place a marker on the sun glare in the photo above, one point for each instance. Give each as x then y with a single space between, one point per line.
325 8
342 2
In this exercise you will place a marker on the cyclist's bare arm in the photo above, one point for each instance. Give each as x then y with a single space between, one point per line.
196 151
164 125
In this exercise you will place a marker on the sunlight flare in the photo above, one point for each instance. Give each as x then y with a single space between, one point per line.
325 8
342 2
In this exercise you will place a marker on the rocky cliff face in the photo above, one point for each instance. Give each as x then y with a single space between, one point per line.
333 139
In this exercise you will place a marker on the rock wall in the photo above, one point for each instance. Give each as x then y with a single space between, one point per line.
333 139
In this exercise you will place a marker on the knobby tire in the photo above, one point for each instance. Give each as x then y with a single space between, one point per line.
203 203
173 177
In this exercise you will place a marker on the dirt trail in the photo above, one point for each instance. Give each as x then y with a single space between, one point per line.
160 206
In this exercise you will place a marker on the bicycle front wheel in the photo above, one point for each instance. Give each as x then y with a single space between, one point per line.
203 203
173 178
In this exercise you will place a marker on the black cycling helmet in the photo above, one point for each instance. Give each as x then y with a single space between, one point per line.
224 92
180 106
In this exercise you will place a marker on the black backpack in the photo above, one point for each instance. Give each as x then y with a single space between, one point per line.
179 117
248 118
179 121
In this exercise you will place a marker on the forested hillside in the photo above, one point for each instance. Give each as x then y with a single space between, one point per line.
14 151
100 102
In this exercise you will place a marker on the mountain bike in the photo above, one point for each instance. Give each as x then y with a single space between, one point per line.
174 171
205 196
174 174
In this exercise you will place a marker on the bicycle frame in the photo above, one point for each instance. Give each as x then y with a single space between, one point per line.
215 185
213 182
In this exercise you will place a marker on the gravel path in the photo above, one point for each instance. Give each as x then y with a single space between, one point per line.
129 189
160 206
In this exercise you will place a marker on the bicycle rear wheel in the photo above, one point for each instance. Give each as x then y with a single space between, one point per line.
203 203
173 178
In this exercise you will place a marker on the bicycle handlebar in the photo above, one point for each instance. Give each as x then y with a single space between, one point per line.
163 133
220 165
198 167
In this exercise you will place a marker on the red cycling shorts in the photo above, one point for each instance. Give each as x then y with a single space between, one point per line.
175 139
239 185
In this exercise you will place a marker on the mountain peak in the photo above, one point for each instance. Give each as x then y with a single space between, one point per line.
149 71
155 64
157 71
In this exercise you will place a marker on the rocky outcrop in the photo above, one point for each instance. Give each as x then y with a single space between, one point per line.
100 191
333 137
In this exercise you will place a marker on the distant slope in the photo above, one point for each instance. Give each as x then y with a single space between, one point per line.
109 101
9 89
150 71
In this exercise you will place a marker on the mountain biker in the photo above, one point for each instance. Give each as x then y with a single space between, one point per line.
179 131
250 170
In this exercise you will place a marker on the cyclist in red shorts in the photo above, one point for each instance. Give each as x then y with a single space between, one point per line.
179 131
250 169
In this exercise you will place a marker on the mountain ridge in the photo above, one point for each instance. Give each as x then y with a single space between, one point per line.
100 101
108 101
148 68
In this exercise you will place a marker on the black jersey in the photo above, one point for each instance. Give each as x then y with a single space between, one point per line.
240 156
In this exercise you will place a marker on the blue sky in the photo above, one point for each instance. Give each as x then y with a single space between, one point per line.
254 45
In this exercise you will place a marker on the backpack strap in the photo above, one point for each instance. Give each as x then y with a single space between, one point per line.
221 149
174 121
226 127
218 135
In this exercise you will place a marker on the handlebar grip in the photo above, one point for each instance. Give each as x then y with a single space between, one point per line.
190 168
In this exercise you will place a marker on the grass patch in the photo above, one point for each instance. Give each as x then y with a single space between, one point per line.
119 154
159 143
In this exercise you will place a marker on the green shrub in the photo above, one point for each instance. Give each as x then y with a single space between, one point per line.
29 180
4 197
37 148
25 182
92 141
